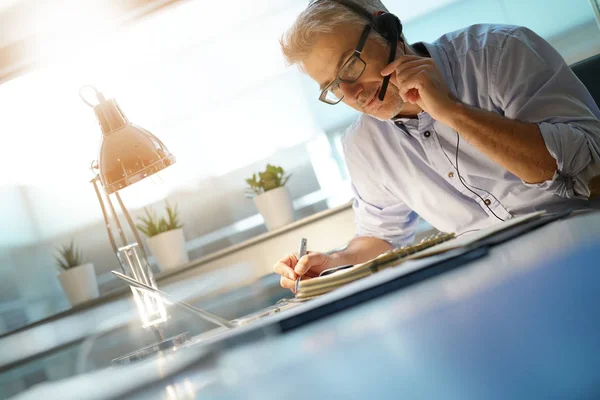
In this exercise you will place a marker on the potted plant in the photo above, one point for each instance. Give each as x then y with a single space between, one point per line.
271 196
78 279
165 238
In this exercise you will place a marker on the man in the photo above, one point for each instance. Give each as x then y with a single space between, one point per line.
482 125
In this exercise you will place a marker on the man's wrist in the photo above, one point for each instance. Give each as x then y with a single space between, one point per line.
453 113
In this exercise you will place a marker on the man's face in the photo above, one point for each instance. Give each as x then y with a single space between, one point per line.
332 50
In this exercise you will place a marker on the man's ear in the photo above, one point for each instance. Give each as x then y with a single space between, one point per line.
400 49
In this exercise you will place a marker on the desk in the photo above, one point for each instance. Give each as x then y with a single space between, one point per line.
521 322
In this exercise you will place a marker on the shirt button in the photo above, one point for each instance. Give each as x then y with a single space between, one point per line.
487 202
450 174
427 134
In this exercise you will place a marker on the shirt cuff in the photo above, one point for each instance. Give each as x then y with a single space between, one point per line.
559 184
569 147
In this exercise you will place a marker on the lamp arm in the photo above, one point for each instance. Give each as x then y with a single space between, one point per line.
107 224
116 218
131 224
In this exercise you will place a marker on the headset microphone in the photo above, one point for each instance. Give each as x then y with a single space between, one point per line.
393 22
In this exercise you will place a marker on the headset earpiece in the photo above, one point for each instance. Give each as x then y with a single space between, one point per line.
389 26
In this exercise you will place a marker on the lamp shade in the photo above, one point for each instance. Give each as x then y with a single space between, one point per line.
128 153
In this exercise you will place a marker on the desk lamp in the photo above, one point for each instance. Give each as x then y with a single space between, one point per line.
128 154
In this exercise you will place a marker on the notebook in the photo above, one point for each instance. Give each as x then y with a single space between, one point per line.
436 244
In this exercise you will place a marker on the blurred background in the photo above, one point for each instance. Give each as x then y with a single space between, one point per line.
206 77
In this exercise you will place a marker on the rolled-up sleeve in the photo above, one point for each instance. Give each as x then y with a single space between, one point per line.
377 212
533 83
394 223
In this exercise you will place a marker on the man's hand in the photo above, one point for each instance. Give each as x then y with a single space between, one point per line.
309 266
420 82
359 250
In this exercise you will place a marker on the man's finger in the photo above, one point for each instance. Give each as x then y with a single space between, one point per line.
284 270
308 262
402 60
303 264
287 283
407 82
311 264
402 76
395 67
414 81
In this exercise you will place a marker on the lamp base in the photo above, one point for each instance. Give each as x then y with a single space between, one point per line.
134 264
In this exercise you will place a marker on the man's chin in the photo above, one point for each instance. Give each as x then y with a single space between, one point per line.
386 110
383 113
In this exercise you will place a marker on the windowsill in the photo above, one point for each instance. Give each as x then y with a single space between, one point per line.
245 226
254 240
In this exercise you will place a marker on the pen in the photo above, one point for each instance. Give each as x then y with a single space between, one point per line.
301 253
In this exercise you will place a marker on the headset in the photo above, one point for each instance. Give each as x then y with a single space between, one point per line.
387 25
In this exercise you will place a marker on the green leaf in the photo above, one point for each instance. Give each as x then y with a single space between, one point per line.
151 225
271 178
285 180
69 256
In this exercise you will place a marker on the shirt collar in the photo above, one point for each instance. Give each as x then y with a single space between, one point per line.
404 120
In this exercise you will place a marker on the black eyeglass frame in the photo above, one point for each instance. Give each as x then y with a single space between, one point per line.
356 54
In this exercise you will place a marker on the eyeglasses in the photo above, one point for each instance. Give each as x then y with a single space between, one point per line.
352 69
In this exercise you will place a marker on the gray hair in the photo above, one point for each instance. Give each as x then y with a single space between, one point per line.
323 17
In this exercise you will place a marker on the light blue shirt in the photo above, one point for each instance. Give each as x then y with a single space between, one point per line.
406 168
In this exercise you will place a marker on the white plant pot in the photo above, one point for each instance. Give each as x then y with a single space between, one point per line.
168 249
276 207
79 283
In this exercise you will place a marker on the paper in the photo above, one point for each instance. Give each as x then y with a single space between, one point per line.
473 237
317 286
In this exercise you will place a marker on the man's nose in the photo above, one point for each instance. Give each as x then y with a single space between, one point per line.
351 90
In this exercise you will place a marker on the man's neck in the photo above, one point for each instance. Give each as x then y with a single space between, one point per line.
408 110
